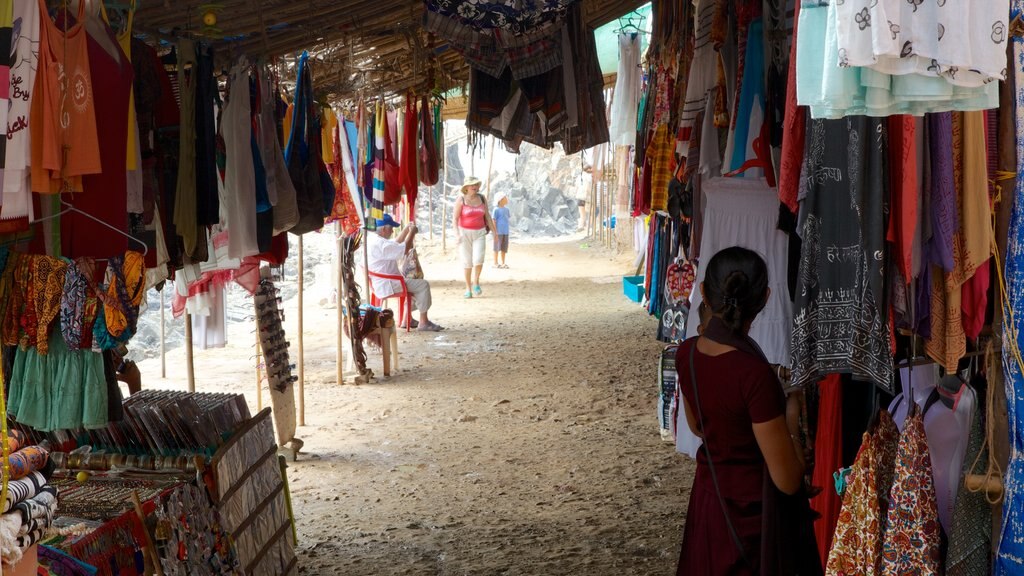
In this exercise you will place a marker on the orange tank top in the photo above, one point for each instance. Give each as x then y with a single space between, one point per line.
64 138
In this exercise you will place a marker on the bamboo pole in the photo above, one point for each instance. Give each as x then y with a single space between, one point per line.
163 337
444 204
340 309
189 361
259 369
490 166
302 356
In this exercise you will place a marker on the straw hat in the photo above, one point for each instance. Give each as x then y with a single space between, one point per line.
470 181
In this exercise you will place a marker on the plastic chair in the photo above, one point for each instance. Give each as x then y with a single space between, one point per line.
404 298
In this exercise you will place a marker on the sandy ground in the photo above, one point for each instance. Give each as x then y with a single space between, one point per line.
522 440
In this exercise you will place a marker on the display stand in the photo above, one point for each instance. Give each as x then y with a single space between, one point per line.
250 494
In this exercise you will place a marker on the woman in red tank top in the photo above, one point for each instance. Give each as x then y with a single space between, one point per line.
472 222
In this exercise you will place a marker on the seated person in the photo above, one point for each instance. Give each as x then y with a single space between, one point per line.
383 254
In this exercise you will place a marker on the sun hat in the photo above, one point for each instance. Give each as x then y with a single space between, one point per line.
470 181
387 220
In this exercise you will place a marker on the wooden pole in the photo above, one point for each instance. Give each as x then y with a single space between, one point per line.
490 165
189 363
163 337
340 299
302 357
444 204
259 370
430 201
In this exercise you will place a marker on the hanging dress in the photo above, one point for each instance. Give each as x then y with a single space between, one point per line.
627 91
65 145
912 533
857 542
239 203
840 322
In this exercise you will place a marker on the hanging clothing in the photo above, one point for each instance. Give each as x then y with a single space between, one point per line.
279 184
185 219
828 457
239 203
25 42
702 75
840 309
105 194
832 91
1010 555
947 429
408 181
793 133
428 155
858 541
65 145
970 539
627 91
206 102
912 533
744 212
925 38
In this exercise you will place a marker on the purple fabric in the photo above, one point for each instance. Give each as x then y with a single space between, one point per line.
945 219
923 298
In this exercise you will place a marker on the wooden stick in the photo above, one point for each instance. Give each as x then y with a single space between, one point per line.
189 361
302 356
444 202
490 165
259 370
148 548
163 338
430 200
340 308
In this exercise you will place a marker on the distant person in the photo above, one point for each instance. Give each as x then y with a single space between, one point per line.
501 224
382 256
472 222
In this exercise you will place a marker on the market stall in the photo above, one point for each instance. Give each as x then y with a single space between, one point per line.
876 180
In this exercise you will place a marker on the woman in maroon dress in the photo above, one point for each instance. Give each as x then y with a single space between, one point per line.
748 427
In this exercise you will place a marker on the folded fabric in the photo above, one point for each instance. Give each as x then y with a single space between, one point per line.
37 512
21 490
10 551
28 460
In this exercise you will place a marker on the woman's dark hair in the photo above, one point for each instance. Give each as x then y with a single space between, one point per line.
736 286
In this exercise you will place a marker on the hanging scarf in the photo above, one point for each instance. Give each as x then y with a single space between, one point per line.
47 287
72 306
379 176
408 165
124 293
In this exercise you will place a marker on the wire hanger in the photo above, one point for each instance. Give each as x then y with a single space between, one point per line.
633 24
70 208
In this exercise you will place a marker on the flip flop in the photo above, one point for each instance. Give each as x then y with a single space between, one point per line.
477 291
430 327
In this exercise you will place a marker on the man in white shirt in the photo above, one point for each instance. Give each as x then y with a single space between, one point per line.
382 257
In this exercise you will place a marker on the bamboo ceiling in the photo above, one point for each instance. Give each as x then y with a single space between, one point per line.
369 47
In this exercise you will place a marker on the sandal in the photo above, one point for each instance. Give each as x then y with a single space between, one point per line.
477 291
468 294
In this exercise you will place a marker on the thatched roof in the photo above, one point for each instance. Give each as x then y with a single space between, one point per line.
369 46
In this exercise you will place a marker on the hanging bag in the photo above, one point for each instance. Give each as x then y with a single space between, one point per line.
429 165
302 166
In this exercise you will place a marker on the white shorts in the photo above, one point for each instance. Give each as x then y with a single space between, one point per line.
472 247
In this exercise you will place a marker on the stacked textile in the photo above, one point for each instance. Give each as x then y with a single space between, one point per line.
30 503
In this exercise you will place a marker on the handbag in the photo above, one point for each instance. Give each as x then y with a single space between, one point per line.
303 163
410 266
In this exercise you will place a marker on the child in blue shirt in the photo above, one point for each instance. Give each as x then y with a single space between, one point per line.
501 218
